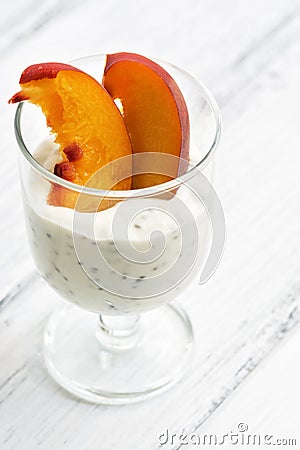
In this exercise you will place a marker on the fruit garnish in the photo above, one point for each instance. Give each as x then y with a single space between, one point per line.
154 112
87 125
65 170
73 152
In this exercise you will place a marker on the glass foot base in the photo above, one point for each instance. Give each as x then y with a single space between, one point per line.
77 361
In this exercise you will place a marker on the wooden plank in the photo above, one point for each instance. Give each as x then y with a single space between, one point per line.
251 302
272 386
21 20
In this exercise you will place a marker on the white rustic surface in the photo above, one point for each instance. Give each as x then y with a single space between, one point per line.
246 318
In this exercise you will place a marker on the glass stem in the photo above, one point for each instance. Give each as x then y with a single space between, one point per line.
117 333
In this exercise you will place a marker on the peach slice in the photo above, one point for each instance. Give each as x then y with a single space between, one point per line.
88 126
154 111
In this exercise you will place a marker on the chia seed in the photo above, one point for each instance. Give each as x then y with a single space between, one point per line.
110 304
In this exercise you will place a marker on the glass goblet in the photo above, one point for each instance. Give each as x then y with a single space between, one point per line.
120 337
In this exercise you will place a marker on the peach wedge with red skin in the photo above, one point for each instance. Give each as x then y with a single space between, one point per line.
38 72
87 125
154 111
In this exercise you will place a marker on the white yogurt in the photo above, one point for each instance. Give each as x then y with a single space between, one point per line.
92 267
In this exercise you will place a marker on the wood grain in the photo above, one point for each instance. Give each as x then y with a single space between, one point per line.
272 386
248 54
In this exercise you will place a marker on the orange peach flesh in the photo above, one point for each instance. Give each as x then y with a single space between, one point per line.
154 112
81 113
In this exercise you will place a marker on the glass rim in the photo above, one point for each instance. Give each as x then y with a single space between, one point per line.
142 192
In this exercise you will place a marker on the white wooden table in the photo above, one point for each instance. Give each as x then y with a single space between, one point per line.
246 318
